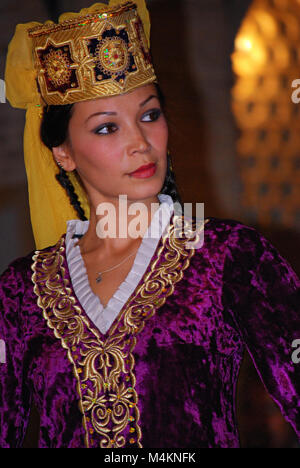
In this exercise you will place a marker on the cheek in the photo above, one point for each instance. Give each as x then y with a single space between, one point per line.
161 135
95 152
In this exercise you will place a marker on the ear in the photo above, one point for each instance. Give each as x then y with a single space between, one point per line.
62 155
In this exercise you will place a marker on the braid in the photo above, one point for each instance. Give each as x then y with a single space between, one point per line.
54 131
170 187
65 182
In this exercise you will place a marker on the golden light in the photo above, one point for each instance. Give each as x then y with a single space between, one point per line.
249 56
265 61
250 53
243 44
266 23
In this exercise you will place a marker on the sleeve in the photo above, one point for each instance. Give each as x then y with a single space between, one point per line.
261 292
14 395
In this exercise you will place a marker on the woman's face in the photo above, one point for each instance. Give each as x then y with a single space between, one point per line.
109 139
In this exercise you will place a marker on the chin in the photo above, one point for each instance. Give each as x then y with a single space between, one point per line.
143 193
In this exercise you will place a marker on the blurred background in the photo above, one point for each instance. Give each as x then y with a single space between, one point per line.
227 69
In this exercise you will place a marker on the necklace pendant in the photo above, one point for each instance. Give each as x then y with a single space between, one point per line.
99 278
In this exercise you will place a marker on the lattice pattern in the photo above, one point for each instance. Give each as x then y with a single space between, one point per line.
266 61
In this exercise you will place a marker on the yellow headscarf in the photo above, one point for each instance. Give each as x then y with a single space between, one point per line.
50 207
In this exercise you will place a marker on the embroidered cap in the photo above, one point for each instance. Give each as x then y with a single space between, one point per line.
103 50
100 54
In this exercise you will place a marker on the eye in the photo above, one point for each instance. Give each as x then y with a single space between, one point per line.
151 115
106 128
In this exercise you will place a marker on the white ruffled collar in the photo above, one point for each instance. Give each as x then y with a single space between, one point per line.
101 316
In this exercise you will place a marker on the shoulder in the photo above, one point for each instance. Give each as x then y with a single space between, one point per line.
218 239
14 285
235 236
227 234
15 273
235 243
17 292
226 227
19 271
247 250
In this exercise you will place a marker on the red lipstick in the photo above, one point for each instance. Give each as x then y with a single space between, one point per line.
144 171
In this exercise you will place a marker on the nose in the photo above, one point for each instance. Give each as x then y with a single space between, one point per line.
137 141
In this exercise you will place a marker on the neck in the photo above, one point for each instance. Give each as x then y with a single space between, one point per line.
118 225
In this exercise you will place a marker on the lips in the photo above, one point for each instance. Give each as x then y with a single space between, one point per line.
145 171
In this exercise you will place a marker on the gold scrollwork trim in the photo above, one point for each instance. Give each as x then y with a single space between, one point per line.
104 366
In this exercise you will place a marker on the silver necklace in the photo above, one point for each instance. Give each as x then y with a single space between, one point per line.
99 275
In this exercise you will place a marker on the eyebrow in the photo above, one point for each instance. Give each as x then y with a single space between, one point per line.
99 113
148 99
115 113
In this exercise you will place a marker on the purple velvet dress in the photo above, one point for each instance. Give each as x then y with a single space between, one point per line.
165 374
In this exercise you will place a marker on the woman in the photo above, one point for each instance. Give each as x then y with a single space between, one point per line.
129 341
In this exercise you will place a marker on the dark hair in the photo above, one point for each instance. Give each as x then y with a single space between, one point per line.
54 132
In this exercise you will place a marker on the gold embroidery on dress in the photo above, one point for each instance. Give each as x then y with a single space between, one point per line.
104 367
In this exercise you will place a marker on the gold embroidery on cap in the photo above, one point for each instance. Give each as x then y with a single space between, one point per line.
57 67
103 54
112 55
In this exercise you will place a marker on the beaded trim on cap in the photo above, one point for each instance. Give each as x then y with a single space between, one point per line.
97 55
103 13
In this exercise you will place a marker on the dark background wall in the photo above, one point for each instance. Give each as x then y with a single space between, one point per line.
191 45
192 41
